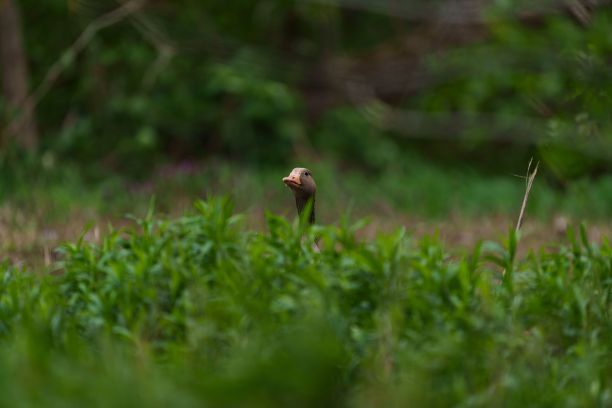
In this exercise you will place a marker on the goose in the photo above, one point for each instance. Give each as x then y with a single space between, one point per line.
304 188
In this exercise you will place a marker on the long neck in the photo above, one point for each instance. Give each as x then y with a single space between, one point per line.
301 201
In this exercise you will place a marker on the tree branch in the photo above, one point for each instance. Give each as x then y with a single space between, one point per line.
68 56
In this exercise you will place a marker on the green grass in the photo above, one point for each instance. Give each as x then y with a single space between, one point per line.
203 311
414 187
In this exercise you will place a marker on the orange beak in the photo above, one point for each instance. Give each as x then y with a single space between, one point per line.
293 179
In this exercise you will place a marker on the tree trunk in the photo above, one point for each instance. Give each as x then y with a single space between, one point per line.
13 64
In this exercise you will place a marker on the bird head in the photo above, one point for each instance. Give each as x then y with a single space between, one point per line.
300 181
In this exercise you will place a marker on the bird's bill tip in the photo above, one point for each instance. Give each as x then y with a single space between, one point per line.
292 180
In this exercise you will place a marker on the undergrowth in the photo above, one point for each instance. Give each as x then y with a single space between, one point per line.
201 311
411 186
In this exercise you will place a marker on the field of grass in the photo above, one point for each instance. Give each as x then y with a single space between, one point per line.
42 207
416 187
151 256
203 310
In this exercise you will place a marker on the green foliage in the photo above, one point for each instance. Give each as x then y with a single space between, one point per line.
351 137
49 192
199 310
201 79
121 102
548 86
255 117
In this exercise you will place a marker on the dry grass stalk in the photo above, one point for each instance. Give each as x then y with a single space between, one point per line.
529 183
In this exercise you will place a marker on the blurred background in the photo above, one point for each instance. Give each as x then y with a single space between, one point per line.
412 112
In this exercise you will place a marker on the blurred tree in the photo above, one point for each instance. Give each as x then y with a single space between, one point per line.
365 83
13 63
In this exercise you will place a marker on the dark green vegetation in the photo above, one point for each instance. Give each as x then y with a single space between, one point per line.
412 187
262 82
405 111
199 310
431 113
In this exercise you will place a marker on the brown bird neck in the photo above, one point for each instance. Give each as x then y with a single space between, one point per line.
301 200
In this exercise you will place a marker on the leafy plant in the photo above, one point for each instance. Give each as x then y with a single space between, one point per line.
201 310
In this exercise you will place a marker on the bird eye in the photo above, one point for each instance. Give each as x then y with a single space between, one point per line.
307 173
